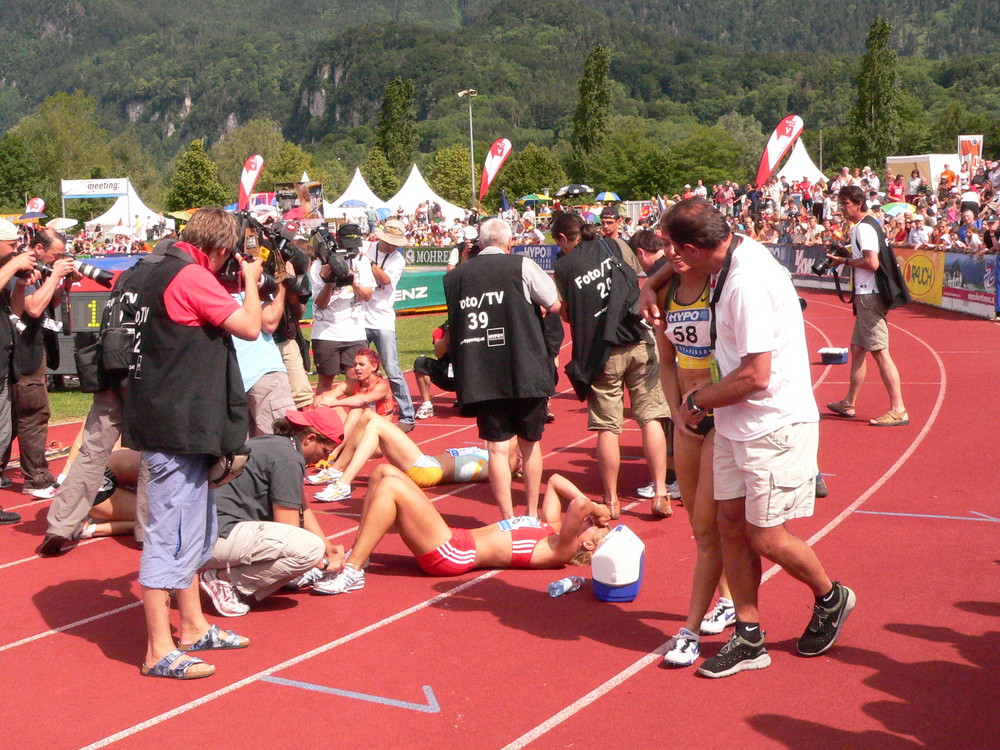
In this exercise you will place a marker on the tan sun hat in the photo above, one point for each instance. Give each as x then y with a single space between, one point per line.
392 232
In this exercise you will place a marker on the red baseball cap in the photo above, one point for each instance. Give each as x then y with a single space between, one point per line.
323 419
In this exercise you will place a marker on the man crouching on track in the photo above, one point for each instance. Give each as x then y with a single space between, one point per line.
184 407
767 430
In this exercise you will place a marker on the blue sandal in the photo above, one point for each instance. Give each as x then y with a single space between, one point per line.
215 638
178 666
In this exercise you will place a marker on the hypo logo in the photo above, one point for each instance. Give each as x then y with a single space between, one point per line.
919 274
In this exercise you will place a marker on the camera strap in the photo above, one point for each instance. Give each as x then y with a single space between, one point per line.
720 281
847 300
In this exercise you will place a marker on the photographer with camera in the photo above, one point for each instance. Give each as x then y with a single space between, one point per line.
288 335
878 287
341 281
387 265
11 305
36 346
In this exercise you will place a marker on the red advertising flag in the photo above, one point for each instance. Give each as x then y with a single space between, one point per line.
498 154
970 151
35 205
777 146
251 171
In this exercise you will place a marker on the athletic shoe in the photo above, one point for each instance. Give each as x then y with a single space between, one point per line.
720 618
406 426
349 579
6 483
7 517
305 579
685 650
648 492
736 656
85 530
223 595
674 490
325 476
336 491
825 625
426 410
42 493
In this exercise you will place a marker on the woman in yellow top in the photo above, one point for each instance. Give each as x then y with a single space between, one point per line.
684 335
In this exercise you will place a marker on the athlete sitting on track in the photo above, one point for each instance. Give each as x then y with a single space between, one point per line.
370 390
373 434
548 541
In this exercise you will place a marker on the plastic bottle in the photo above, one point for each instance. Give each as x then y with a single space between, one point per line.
565 585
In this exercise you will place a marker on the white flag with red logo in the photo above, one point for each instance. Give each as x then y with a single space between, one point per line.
35 206
498 154
970 151
251 171
777 146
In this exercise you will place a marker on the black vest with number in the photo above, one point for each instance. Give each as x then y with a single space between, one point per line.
184 393
496 341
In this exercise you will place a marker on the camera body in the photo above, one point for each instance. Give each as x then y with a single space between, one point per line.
822 265
336 250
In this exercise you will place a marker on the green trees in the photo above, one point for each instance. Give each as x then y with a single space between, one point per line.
448 174
195 183
530 170
590 122
19 173
396 132
381 178
875 121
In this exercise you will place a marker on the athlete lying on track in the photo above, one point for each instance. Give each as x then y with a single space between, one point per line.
549 541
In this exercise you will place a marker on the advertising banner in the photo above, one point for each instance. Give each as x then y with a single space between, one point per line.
543 255
924 274
969 284
97 188
420 291
426 256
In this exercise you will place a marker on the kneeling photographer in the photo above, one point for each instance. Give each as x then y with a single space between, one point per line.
878 288
341 281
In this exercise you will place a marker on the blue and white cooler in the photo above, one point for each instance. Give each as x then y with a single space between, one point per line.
618 566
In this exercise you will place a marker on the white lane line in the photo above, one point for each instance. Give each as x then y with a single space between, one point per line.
71 625
136 728
648 659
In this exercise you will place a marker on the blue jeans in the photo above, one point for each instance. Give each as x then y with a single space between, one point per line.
385 342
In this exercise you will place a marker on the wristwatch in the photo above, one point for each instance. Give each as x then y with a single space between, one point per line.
691 405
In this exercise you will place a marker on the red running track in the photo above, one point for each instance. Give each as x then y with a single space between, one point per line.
911 523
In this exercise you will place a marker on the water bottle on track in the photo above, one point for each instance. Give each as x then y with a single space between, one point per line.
565 585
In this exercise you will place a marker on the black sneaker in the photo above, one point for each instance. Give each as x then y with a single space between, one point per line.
737 655
7 517
825 625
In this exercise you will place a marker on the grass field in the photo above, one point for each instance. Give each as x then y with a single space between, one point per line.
413 338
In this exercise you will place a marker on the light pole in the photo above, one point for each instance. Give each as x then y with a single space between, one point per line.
472 158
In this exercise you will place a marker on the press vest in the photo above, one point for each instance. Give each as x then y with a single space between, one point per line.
184 393
496 343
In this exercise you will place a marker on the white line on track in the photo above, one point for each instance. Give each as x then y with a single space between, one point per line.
649 658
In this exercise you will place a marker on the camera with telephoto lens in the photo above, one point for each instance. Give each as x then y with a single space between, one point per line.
336 251
822 265
269 243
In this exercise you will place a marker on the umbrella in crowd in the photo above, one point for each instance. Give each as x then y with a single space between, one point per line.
895 209
534 198
354 203
574 189
606 196
589 216
31 217
383 213
181 215
62 223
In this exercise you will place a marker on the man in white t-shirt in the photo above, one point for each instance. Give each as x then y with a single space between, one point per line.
871 332
338 316
700 191
387 265
767 431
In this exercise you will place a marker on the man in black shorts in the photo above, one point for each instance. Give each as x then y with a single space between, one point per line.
503 372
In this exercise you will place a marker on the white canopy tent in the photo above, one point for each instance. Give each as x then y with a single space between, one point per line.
415 191
358 190
800 165
930 166
125 210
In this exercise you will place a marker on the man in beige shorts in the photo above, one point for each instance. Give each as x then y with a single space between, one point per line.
767 431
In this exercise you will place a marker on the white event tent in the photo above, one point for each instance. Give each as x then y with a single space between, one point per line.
800 165
415 191
125 210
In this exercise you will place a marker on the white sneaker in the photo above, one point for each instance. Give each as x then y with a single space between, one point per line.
686 648
223 595
85 530
42 493
349 579
648 492
336 491
674 491
720 618
325 476
305 579
425 411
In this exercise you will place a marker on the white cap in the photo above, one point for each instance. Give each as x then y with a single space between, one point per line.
470 233
8 231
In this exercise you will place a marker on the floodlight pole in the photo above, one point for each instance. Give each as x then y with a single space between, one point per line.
471 93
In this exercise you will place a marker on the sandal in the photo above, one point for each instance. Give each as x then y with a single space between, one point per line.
215 638
891 419
842 409
178 666
661 506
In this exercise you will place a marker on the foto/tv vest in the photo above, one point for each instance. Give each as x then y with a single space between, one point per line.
496 341
184 393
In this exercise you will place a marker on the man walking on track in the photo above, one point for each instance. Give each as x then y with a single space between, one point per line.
767 431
